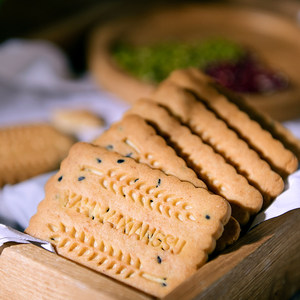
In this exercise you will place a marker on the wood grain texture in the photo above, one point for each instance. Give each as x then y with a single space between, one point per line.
30 272
264 264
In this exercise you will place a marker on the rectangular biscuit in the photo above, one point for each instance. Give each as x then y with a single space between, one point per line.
128 221
133 137
30 150
220 176
277 130
272 150
215 132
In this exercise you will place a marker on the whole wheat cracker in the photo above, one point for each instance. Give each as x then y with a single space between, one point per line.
211 167
223 139
133 137
131 222
272 150
29 150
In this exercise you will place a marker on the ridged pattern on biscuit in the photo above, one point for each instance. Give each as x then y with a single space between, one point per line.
127 220
277 130
132 137
211 167
30 150
272 150
216 133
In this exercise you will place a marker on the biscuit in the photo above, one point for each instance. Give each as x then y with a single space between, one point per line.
132 137
128 221
272 150
277 130
211 167
30 150
223 139
230 235
75 121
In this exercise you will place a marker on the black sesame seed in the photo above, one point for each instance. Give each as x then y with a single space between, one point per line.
162 249
60 178
129 154
207 217
119 161
81 178
158 259
158 182
124 195
52 239
98 160
164 284
107 210
93 217
151 201
109 147
160 240
135 180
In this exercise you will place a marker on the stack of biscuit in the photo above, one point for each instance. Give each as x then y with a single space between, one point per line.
160 190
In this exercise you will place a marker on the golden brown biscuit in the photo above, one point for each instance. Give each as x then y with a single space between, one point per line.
223 139
277 130
230 234
131 222
30 150
132 137
272 150
219 176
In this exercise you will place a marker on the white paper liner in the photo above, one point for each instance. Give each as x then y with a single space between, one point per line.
8 235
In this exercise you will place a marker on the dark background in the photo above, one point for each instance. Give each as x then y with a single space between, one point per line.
68 23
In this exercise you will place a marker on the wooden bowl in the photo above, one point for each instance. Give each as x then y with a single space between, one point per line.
275 39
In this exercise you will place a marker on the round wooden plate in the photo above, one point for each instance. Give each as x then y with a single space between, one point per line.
275 39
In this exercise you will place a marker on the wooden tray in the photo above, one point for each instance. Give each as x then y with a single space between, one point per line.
276 40
264 264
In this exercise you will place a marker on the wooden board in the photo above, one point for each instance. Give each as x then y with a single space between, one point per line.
264 264
274 38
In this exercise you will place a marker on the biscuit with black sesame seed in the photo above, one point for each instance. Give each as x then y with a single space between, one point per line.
132 239
132 135
219 176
